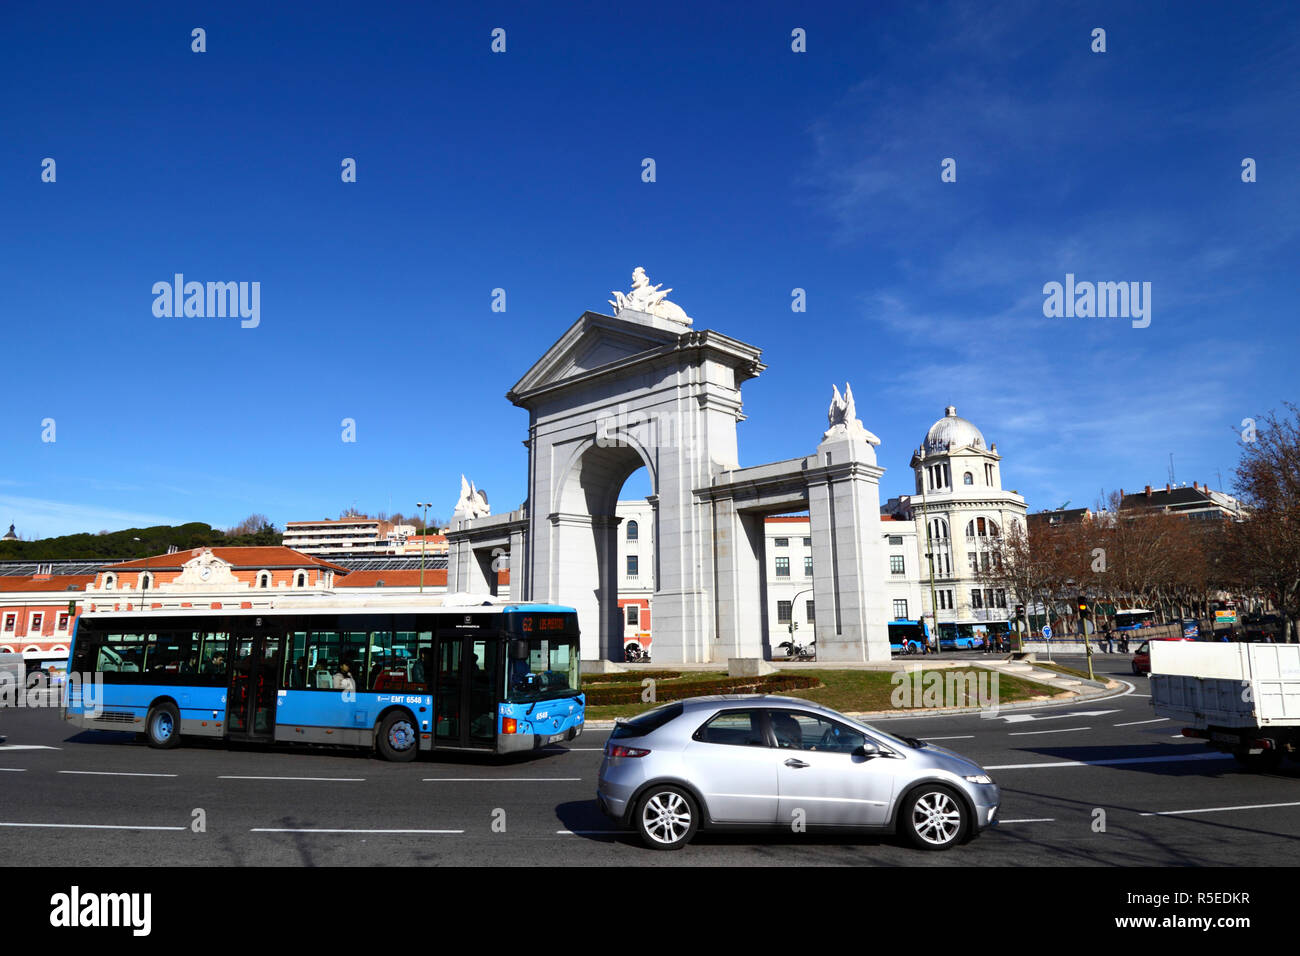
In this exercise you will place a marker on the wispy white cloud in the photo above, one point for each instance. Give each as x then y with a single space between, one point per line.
44 518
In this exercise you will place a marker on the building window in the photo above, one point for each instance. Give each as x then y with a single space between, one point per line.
300 580
900 609
63 621
968 479
895 540
988 474
633 615
633 531
976 598
896 564
782 542
264 579
782 567
807 567
783 612
945 600
808 611
1001 597
110 582
9 623
807 542
36 622
939 529
633 566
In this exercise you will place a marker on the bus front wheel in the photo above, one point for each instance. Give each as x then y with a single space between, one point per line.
398 737
162 728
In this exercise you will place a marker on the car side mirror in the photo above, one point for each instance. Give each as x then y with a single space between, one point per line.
867 750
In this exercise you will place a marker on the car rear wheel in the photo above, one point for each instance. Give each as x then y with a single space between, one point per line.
934 818
163 727
666 818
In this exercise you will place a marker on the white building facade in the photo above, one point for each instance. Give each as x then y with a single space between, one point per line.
960 512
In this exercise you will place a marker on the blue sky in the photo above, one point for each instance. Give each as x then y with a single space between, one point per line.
522 170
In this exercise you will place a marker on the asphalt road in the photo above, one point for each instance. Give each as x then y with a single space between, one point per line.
97 798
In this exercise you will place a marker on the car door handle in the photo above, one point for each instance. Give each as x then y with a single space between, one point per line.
792 762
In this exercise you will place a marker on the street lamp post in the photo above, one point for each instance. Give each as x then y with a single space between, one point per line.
424 537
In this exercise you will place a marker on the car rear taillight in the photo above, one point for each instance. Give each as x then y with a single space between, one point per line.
618 750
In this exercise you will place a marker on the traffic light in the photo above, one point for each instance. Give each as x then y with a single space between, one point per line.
1020 610
1083 604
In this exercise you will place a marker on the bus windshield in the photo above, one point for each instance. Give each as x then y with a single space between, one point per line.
544 661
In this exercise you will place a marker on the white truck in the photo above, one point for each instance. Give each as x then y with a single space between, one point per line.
1242 699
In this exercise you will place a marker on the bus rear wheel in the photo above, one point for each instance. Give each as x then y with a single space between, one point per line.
398 737
162 728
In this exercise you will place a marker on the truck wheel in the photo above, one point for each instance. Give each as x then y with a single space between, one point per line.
1265 762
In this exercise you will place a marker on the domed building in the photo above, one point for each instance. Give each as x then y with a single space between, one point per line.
961 513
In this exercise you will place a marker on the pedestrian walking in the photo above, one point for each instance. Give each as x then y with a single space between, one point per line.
1110 640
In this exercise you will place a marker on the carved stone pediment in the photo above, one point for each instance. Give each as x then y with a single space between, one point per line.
204 571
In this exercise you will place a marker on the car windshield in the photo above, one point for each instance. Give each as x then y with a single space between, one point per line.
550 669
1142 648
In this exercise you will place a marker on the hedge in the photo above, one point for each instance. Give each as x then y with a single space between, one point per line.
769 684
588 679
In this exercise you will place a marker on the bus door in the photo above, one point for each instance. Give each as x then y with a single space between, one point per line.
255 666
466 688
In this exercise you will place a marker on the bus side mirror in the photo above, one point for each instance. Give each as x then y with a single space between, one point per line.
519 650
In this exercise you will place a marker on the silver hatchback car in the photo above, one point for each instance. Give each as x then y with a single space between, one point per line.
754 761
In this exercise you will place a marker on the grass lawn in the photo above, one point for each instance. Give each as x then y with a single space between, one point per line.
1068 671
851 690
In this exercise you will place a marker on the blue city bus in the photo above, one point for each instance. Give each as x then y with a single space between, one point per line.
495 679
1133 619
908 637
971 635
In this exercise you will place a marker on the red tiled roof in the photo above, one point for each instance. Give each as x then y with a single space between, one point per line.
45 582
240 558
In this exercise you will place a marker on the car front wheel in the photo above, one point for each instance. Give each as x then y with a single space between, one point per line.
666 818
934 818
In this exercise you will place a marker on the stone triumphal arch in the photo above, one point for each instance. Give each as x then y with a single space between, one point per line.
644 388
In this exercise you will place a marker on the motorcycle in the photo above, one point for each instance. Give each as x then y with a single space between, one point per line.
794 651
635 654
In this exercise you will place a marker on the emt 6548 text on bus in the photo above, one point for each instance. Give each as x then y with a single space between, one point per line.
498 679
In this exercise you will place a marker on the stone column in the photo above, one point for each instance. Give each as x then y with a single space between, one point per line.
849 557
739 596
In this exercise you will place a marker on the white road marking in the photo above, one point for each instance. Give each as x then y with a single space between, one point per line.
574 749
1033 820
591 832
115 773
13 769
85 826
1249 806
1021 718
498 779
327 830
1114 761
966 737
313 779
27 747
1134 723
1140 695
1030 733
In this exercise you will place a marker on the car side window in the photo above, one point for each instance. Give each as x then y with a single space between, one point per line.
797 730
738 728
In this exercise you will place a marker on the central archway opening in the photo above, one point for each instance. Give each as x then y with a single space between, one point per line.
604 552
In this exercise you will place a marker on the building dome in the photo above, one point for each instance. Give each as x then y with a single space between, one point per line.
952 431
